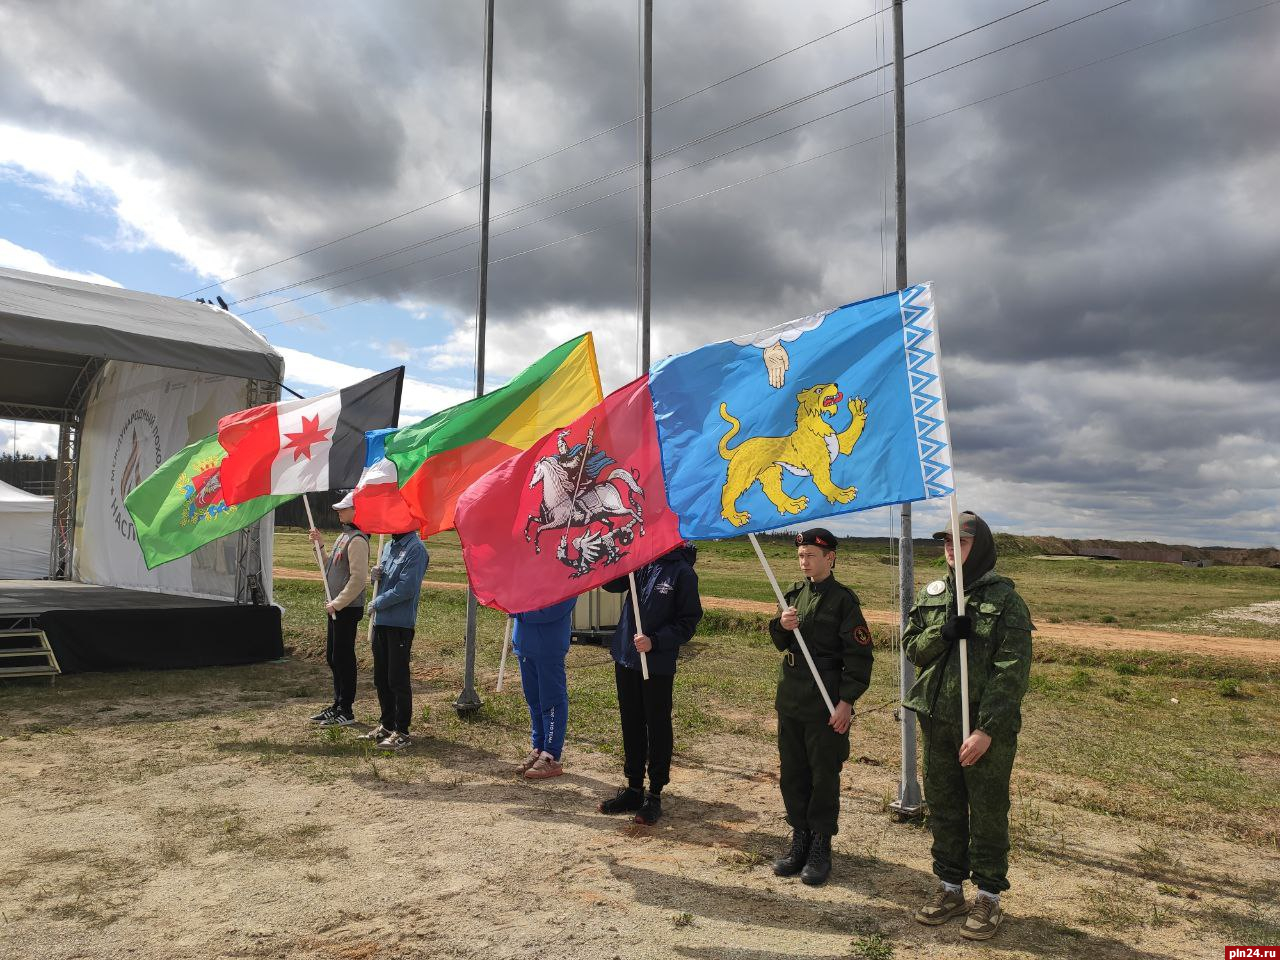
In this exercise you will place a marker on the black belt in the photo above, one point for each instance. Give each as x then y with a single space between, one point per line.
795 659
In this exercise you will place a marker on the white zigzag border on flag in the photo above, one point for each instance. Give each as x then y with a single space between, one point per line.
923 374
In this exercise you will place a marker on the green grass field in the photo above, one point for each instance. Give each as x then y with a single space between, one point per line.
1102 732
1104 592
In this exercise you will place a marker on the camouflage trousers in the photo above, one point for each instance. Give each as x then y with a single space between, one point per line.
811 755
968 807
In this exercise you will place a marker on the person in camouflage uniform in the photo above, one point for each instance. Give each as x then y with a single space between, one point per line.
813 744
966 784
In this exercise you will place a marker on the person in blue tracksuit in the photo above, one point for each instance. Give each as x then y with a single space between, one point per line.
540 639
394 607
670 610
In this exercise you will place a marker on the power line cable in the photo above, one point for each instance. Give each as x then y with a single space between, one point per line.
546 156
533 203
813 158
670 152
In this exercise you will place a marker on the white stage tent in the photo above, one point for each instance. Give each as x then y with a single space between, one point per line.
25 523
130 378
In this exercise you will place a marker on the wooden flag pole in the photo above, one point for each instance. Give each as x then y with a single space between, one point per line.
782 604
635 606
960 608
369 633
311 525
506 645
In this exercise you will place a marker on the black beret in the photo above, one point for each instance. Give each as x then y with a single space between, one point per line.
817 537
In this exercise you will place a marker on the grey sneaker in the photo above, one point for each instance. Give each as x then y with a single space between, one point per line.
377 734
941 907
337 719
983 920
395 741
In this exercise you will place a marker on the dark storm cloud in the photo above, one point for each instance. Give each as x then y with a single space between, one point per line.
1102 244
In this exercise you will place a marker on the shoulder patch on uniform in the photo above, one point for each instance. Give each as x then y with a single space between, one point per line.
863 635
935 588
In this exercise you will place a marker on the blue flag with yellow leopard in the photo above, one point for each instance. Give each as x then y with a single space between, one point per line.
835 412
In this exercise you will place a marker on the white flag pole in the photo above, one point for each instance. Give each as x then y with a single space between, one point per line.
782 603
960 608
506 645
369 633
635 606
311 525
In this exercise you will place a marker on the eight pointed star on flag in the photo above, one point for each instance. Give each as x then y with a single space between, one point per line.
300 443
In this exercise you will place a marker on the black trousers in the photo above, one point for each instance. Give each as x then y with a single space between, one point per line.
340 654
391 647
811 755
647 739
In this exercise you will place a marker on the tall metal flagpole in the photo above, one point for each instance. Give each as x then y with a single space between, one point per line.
646 187
468 699
910 803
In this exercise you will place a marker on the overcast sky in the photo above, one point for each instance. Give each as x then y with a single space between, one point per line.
1104 243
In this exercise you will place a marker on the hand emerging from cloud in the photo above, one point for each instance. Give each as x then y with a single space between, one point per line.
776 363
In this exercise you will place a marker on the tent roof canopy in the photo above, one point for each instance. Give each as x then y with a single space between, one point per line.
52 330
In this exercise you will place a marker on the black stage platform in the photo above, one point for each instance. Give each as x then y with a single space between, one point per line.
108 628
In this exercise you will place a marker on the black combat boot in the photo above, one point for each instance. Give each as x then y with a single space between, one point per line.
627 799
818 867
794 861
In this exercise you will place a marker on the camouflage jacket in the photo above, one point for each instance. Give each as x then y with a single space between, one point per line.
839 641
999 655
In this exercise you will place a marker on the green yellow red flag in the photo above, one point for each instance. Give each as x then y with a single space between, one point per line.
438 458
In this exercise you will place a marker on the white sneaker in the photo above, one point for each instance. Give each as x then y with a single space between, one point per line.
377 734
395 741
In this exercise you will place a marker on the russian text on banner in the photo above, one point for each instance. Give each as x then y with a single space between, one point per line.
584 505
437 459
835 412
180 507
378 504
301 446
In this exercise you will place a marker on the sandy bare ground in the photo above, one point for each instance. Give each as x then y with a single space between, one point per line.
1071 634
191 824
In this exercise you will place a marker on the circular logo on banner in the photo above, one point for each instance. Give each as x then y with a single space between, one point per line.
936 588
137 454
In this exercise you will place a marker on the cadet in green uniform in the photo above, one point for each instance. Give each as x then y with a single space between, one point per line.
966 785
813 744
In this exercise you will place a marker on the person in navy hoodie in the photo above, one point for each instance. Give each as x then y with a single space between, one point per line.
540 639
670 610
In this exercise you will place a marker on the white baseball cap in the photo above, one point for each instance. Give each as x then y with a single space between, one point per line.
347 502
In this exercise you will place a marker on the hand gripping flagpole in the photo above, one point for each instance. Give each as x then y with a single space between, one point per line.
506 645
635 607
324 577
782 603
960 608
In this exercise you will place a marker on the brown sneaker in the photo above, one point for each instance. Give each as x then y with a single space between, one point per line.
941 907
528 762
983 920
544 769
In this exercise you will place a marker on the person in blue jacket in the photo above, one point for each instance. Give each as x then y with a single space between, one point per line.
670 610
394 607
540 639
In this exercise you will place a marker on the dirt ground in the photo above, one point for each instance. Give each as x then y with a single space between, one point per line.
208 819
1070 634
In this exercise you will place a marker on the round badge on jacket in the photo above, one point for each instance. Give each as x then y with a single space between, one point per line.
935 588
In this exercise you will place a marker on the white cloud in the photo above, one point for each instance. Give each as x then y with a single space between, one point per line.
20 258
36 439
418 399
74 171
